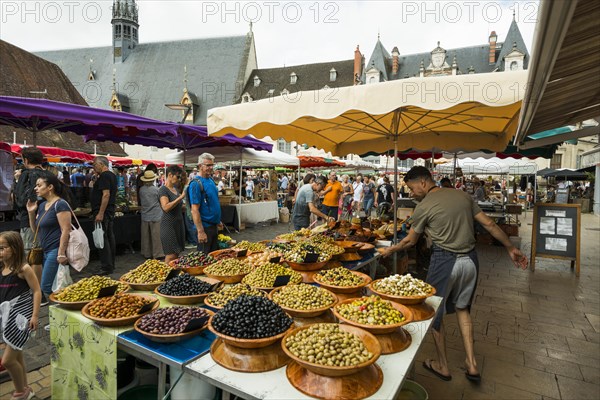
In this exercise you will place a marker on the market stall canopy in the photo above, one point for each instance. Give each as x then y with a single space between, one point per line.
132 162
5 147
99 124
452 113
493 166
319 162
54 154
235 154
565 66
565 173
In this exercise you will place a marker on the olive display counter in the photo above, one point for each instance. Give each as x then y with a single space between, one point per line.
395 368
80 345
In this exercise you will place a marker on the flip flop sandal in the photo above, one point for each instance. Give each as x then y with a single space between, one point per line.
430 368
473 377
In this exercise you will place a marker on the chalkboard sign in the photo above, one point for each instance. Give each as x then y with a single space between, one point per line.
556 232
562 196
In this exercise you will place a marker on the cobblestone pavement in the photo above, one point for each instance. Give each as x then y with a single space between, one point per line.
537 335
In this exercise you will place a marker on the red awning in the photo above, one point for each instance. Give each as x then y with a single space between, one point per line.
54 154
316 162
132 162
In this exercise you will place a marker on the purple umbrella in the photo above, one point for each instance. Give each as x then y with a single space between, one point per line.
38 115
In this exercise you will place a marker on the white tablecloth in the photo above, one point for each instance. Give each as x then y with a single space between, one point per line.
253 213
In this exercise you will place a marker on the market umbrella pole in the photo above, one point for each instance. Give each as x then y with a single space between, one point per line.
394 130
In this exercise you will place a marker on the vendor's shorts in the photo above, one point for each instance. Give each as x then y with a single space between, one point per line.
463 280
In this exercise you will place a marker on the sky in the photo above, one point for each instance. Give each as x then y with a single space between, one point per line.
286 32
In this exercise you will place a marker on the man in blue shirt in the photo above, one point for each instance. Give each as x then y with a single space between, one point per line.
77 181
206 209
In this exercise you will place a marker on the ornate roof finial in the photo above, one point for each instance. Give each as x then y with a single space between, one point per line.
514 45
250 27
91 61
514 15
378 34
114 85
438 43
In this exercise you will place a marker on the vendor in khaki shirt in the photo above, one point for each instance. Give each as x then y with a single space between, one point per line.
305 204
332 193
447 216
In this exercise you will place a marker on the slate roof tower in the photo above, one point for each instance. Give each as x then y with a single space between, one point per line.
124 28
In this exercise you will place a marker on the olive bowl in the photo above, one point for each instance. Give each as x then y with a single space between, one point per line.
345 289
369 340
124 321
247 343
73 305
306 266
187 300
172 338
400 299
305 313
376 329
198 270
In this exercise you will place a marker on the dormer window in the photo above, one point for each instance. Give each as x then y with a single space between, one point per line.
271 92
285 92
332 75
326 87
256 81
293 78
91 76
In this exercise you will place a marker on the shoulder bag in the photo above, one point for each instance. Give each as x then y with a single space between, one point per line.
78 249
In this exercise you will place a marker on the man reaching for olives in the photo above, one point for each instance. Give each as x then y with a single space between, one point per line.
447 216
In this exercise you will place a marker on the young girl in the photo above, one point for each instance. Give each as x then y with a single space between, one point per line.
20 297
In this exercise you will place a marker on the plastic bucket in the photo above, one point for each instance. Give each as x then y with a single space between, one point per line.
411 390
190 387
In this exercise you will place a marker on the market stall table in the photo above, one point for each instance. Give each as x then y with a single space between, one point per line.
254 213
84 354
275 385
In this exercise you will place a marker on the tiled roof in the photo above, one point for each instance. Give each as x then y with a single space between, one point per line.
309 77
22 73
153 73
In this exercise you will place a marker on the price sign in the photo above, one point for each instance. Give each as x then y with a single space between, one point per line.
108 291
275 260
215 287
195 323
147 307
173 274
282 280
311 258
242 253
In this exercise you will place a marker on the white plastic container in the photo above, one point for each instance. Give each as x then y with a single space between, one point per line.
190 387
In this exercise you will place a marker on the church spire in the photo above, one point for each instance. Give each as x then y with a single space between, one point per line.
125 28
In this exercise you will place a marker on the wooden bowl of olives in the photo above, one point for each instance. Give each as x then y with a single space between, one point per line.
378 320
376 288
306 266
87 288
169 337
187 299
364 347
247 343
338 286
230 293
122 309
231 270
349 246
300 296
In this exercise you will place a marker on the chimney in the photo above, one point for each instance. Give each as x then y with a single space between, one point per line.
493 38
358 59
395 54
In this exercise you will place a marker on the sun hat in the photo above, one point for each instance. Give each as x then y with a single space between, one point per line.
149 176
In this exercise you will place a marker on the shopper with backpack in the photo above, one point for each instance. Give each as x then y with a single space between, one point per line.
206 209
24 191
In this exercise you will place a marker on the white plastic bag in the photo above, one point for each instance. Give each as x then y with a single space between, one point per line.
98 235
62 278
